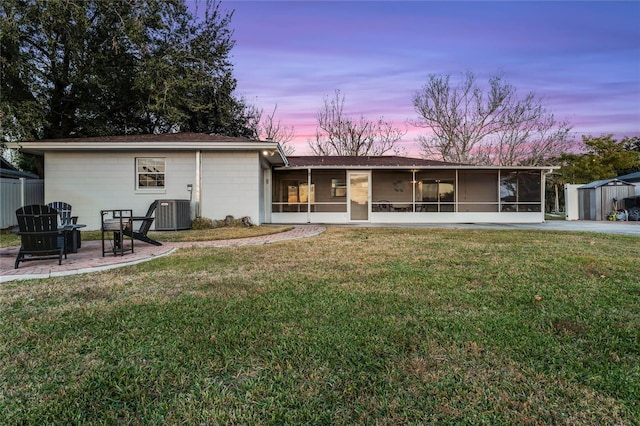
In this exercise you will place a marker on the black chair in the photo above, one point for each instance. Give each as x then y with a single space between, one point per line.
64 210
145 226
74 240
39 234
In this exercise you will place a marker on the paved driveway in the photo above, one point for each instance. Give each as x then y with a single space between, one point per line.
623 228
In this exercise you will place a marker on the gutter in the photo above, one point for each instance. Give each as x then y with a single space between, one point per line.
282 154
39 147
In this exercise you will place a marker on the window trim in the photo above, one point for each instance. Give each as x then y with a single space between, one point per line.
138 173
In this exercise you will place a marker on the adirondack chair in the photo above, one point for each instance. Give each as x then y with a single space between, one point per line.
141 233
64 211
74 240
38 229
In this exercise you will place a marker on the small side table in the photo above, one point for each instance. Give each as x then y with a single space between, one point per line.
116 222
72 237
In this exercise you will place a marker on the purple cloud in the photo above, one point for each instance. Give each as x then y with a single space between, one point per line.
582 58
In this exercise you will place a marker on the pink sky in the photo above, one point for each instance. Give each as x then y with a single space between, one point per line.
582 58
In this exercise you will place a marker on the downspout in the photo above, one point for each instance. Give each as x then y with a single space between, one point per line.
197 190
23 190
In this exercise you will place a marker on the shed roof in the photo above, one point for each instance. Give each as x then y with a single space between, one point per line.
631 177
605 182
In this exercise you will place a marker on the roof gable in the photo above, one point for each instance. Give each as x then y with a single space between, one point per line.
604 182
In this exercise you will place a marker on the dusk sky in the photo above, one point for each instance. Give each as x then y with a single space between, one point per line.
581 57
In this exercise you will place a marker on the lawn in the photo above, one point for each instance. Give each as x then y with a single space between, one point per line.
354 326
7 238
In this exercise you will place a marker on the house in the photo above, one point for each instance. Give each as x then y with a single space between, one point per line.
219 176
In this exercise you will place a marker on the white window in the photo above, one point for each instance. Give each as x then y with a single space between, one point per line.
150 173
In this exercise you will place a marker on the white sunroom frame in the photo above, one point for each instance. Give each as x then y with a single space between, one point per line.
308 215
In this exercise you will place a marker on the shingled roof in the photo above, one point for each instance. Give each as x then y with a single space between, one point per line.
364 161
8 170
163 137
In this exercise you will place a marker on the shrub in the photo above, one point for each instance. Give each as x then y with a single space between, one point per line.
202 223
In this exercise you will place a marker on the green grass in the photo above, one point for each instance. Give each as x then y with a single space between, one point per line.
8 239
355 326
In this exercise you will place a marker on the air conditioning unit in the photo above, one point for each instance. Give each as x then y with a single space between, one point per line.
173 215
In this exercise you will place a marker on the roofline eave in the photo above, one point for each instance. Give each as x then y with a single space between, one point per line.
419 167
171 145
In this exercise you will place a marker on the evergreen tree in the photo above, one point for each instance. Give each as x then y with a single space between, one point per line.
605 158
75 68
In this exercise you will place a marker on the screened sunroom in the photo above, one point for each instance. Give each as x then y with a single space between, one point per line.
404 190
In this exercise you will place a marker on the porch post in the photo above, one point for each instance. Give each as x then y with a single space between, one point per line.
413 190
456 192
499 194
309 195
543 192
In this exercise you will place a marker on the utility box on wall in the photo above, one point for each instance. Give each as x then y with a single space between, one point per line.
173 215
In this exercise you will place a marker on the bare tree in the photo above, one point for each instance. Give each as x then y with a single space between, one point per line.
496 127
339 134
270 129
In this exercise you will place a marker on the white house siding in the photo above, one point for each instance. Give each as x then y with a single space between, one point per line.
94 181
231 185
334 218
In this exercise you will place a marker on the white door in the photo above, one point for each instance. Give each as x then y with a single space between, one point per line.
359 196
